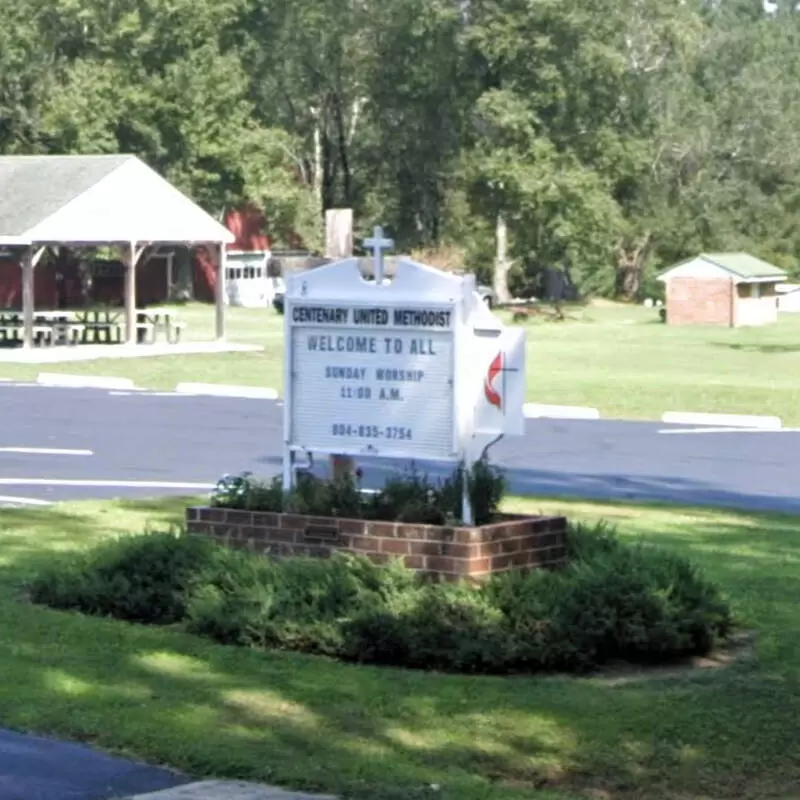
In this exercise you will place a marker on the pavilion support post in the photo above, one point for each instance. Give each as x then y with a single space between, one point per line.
219 291
170 259
27 297
339 244
129 258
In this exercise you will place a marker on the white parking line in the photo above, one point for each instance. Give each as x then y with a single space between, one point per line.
46 451
678 431
24 501
102 483
748 421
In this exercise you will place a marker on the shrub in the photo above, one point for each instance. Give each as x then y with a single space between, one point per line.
337 498
615 600
451 627
145 578
245 492
412 497
294 604
585 541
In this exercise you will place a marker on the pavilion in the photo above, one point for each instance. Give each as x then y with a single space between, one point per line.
95 201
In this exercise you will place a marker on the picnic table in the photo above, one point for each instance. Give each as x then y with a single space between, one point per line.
49 327
101 325
90 326
149 321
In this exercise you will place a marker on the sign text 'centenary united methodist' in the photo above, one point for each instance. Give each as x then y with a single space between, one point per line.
372 317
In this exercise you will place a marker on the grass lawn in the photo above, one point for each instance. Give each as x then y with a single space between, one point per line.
390 735
619 359
263 327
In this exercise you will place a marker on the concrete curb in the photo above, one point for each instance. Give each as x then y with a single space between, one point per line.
84 381
536 410
226 390
227 790
724 420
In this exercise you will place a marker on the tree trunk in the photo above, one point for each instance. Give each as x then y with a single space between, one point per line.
318 168
501 265
631 260
343 145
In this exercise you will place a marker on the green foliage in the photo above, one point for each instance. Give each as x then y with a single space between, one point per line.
245 493
411 497
612 136
294 604
614 601
486 486
146 578
440 626
335 498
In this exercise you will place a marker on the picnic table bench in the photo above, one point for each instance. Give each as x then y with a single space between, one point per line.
90 326
152 320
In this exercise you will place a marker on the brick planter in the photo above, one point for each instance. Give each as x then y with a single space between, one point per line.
514 542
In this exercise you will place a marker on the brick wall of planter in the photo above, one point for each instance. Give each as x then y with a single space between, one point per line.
515 542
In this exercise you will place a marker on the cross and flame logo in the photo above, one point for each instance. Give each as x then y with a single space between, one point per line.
495 369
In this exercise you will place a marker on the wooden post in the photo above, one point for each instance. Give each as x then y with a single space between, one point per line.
219 290
338 233
129 259
27 297
339 244
170 258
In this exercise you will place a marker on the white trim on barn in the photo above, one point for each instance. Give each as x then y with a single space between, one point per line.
247 279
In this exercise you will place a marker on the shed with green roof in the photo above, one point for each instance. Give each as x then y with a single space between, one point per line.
733 289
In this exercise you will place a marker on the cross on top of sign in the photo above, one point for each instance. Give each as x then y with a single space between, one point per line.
378 243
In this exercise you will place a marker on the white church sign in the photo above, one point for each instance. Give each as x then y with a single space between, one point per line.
413 368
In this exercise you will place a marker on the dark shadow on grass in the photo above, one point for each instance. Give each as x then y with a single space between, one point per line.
759 348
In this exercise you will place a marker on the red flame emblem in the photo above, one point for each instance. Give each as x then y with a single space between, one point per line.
495 369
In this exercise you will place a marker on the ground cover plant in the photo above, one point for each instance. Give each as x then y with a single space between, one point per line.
613 601
719 730
617 358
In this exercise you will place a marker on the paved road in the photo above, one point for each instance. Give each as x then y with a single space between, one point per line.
34 768
106 444
145 444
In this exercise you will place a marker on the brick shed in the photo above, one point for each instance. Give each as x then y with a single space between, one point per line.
731 289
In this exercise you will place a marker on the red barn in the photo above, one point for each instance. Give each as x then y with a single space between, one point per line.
249 226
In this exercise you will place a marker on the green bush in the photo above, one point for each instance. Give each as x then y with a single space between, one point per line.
294 604
412 497
615 600
145 578
448 627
